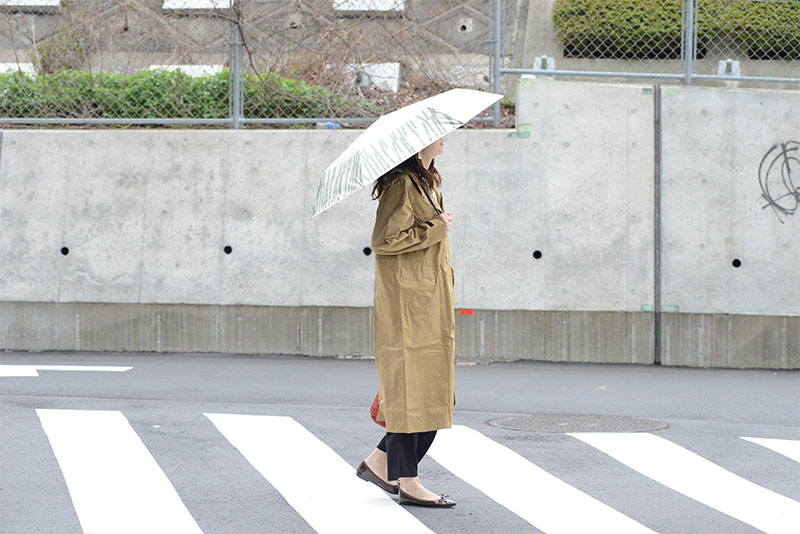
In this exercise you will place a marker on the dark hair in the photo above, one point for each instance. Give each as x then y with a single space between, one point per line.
429 176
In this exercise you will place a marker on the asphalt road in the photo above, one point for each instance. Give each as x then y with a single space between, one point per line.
241 444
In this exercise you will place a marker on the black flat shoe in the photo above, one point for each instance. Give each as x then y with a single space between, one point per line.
365 473
441 502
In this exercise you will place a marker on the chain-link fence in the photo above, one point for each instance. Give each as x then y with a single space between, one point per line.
242 62
747 38
100 59
637 32
336 63
369 64
689 40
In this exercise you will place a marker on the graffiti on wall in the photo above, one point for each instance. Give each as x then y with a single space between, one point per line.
779 177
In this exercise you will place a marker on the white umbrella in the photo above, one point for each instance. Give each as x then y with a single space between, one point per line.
394 137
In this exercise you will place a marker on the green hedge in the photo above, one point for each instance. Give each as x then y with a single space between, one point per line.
651 29
619 28
769 30
159 94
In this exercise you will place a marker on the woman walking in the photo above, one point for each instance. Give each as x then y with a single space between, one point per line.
414 322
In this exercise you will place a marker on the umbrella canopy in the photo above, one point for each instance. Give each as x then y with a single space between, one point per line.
394 137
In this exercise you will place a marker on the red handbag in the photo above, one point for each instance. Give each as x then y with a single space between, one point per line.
373 411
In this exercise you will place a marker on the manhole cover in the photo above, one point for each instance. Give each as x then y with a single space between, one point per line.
577 423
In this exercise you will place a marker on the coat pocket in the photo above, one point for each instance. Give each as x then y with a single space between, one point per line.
418 282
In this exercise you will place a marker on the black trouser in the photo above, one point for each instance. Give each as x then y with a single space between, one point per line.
404 451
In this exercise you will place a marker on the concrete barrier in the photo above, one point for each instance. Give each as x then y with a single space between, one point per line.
202 240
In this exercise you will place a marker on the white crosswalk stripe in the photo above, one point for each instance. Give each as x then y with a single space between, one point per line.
114 482
117 486
698 478
535 495
7 370
787 447
304 469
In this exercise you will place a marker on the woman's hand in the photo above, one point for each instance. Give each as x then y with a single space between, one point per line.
447 219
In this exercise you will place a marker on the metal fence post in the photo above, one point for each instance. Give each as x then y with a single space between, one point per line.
497 44
688 40
235 105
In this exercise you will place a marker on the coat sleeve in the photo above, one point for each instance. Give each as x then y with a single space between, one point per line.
396 230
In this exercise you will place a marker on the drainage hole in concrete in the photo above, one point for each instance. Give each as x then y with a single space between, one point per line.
64 251
737 263
228 249
537 254
367 251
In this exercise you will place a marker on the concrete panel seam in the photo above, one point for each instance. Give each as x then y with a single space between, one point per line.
143 239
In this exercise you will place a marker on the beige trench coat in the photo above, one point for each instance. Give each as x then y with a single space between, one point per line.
414 317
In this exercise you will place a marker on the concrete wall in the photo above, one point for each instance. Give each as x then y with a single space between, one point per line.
587 202
146 216
713 209
715 216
